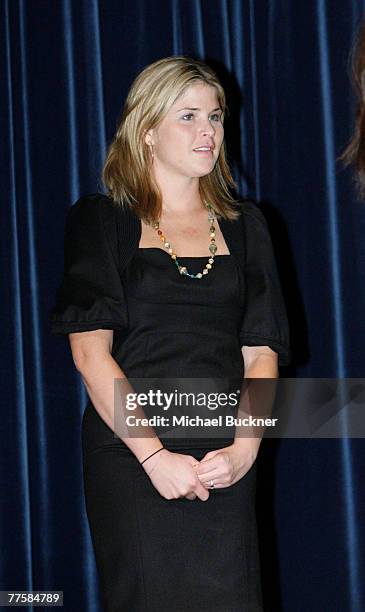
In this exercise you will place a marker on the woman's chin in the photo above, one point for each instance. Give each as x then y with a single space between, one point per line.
204 169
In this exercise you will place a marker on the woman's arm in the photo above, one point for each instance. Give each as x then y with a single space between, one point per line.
91 352
260 362
172 474
257 396
228 465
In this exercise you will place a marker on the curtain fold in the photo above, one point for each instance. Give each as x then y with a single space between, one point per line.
66 68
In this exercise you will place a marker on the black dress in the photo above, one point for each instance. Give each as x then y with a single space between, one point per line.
153 554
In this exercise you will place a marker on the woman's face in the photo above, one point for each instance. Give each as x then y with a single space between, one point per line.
193 122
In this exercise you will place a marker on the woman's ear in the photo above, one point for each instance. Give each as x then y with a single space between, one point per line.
148 137
149 142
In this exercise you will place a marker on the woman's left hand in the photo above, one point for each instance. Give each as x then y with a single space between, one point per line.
227 465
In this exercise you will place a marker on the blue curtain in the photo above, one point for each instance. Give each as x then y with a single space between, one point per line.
66 67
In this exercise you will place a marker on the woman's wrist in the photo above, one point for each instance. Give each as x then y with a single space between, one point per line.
150 463
243 444
145 447
152 454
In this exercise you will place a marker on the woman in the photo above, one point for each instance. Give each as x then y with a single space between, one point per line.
168 276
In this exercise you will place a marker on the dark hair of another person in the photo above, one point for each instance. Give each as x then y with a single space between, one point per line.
355 150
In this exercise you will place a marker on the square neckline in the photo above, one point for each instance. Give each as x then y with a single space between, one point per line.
184 256
229 254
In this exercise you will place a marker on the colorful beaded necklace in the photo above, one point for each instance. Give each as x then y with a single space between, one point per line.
212 247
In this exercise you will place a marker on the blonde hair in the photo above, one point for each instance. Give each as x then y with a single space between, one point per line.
127 171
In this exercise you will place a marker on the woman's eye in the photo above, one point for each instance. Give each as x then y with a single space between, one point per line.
215 117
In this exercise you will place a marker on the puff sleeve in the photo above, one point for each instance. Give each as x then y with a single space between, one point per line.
264 320
91 294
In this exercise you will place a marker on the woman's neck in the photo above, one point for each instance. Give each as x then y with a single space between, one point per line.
180 195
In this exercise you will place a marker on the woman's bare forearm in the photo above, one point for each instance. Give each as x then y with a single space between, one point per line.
257 398
264 366
99 374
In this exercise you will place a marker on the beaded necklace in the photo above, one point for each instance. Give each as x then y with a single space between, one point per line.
212 246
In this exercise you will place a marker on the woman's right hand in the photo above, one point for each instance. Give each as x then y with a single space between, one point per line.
173 475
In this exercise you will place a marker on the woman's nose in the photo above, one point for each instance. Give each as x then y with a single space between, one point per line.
208 128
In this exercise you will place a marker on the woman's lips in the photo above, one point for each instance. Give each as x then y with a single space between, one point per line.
204 153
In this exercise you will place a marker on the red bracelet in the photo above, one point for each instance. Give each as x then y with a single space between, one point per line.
160 449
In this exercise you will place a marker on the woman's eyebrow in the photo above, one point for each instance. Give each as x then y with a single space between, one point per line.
197 109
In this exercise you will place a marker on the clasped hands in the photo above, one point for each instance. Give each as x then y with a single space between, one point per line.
173 477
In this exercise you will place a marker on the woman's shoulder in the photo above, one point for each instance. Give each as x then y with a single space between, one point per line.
100 209
98 217
100 204
250 210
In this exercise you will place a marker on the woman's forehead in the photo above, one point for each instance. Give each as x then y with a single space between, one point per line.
196 94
